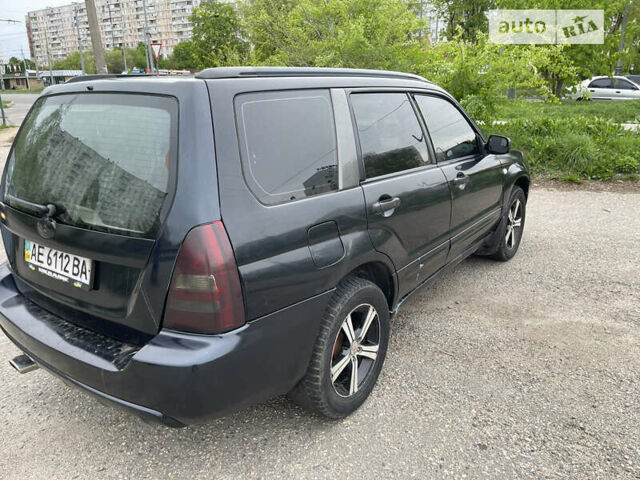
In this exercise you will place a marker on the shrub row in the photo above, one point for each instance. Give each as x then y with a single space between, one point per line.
575 147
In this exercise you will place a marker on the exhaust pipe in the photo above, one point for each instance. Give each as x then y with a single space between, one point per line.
23 364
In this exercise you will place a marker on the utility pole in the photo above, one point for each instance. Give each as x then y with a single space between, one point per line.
149 55
96 40
625 15
24 63
113 38
46 43
124 39
4 119
79 40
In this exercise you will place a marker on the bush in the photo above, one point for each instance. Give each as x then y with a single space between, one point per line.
574 147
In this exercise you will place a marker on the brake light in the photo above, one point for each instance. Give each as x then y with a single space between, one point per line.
205 294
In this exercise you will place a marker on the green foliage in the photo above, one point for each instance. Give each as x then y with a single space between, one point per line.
183 56
334 33
72 62
589 60
478 74
619 112
218 37
20 63
115 60
466 16
574 147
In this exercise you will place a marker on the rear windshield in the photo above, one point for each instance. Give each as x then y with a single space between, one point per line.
106 161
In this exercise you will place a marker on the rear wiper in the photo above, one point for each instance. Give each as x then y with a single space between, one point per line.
49 210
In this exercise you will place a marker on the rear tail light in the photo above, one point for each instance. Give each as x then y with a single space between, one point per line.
205 294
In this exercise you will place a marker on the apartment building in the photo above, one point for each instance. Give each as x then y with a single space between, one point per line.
60 30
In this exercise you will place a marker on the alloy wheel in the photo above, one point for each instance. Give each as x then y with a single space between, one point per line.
514 223
355 350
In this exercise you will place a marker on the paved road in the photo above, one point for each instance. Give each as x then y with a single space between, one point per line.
525 369
20 105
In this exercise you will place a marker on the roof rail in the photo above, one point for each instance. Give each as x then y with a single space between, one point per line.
244 72
108 76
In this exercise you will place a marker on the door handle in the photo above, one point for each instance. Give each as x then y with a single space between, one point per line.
617 91
593 91
386 205
461 180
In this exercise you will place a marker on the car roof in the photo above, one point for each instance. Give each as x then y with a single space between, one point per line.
271 72
607 76
238 79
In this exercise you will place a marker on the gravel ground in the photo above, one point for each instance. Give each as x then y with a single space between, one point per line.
524 369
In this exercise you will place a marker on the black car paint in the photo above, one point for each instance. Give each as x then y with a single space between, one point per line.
131 298
290 257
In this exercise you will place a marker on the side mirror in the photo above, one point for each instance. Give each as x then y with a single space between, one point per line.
498 145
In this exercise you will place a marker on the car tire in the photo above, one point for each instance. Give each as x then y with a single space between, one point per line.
512 226
354 332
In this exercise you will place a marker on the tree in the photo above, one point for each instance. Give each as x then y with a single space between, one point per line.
478 73
218 37
590 60
115 60
335 33
19 62
466 15
183 56
72 62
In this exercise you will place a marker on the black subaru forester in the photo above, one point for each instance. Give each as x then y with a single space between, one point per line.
182 247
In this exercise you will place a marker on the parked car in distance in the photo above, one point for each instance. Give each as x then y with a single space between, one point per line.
606 88
185 247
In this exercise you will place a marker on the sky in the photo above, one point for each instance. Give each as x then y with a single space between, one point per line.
14 36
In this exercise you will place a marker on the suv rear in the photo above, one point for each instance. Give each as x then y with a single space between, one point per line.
185 247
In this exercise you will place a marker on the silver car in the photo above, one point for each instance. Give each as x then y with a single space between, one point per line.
606 88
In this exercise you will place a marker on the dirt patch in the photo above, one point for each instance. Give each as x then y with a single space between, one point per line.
613 186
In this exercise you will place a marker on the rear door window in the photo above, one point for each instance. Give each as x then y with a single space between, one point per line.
287 144
391 138
106 161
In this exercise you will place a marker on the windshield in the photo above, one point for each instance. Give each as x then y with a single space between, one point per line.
104 160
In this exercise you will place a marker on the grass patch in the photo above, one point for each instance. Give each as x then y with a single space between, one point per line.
619 112
32 90
574 147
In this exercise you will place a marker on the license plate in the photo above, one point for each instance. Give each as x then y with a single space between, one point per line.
62 266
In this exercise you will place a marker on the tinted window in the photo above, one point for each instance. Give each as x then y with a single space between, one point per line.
451 134
601 83
634 78
624 85
391 139
288 143
104 160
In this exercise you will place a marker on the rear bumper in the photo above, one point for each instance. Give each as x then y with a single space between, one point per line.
176 378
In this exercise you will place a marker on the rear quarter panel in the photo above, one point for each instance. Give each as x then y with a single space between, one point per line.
271 242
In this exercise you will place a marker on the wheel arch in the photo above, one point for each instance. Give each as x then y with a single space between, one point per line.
524 182
380 274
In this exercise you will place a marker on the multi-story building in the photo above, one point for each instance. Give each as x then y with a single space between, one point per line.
60 30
